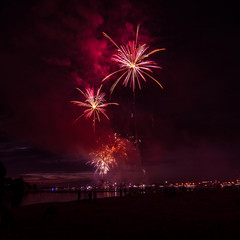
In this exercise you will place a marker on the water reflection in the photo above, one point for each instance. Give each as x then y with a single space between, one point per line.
43 197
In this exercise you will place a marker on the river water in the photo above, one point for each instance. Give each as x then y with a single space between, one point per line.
43 197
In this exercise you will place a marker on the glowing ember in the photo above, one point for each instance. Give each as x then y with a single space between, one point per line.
102 160
95 104
106 157
132 60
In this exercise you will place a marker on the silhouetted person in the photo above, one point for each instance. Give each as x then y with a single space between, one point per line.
174 192
90 195
79 195
120 192
165 191
125 191
2 176
95 193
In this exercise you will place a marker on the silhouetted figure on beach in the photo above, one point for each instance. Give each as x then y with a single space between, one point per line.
165 191
121 192
2 176
94 193
90 195
79 195
174 192
125 191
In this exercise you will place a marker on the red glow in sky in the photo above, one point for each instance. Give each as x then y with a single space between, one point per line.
49 48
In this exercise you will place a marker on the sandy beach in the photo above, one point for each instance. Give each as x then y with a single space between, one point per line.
195 215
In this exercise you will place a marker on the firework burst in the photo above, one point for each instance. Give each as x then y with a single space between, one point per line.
106 157
102 160
133 62
95 104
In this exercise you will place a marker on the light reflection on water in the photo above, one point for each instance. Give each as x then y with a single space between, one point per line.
43 197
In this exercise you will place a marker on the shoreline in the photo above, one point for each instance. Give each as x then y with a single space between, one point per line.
196 214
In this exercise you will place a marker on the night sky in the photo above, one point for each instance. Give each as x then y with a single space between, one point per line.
188 131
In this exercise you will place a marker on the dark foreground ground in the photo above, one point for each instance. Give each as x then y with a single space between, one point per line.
190 215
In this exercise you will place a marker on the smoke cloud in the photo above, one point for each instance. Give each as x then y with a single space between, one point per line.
48 48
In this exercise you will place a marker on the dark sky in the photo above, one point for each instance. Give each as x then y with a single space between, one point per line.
189 130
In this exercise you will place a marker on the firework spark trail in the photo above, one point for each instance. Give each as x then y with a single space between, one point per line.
118 148
102 160
133 64
95 104
106 158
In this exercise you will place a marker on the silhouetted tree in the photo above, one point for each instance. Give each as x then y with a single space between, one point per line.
17 191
